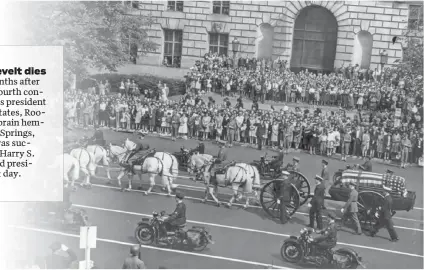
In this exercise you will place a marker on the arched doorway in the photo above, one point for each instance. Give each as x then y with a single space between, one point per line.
314 40
362 49
264 41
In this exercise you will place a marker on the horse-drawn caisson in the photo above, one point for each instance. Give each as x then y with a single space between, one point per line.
370 193
270 192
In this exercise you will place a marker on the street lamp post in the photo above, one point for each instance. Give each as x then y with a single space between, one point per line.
236 49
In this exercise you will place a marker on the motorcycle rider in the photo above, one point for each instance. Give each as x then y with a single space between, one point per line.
178 217
278 161
61 257
133 261
328 237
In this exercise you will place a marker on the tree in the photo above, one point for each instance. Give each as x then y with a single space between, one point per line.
412 43
93 34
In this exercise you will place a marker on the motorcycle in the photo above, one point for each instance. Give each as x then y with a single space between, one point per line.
70 218
300 250
153 231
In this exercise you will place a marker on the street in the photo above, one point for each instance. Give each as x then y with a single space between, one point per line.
243 238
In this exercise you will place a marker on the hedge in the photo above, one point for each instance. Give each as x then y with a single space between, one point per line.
176 87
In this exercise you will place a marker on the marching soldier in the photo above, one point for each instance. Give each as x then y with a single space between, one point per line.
350 209
284 199
316 204
385 217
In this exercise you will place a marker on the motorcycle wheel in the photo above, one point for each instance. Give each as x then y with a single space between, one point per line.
352 264
144 234
203 244
291 252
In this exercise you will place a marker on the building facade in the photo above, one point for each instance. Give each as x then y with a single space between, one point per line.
320 35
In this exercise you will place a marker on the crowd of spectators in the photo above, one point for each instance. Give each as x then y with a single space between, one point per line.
387 126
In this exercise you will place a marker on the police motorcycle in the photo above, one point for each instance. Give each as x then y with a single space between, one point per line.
299 249
56 214
153 231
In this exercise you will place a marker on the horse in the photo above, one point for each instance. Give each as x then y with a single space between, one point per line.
196 162
239 175
152 164
86 161
100 155
70 167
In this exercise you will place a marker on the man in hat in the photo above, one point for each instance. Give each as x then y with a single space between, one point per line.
284 198
278 161
350 209
328 237
317 202
367 166
178 217
294 166
385 214
133 261
139 147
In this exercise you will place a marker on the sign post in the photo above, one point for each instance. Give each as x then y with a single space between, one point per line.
88 238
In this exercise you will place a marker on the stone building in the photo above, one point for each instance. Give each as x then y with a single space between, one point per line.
319 35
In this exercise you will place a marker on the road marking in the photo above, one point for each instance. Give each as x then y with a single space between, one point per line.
259 207
152 247
245 229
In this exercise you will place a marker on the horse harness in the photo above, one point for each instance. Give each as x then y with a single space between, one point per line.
89 156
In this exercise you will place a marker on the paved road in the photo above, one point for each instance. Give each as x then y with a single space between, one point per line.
244 238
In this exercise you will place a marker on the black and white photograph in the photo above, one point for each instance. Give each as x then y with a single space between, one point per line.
225 135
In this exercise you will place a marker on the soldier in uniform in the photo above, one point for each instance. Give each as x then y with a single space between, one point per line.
350 209
325 175
284 198
97 138
367 166
140 147
385 217
178 217
317 203
328 237
278 161
294 166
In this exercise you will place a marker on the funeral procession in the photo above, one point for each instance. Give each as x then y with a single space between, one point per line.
232 134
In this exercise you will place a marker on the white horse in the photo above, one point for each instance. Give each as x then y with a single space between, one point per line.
240 175
100 155
197 161
86 161
70 167
159 163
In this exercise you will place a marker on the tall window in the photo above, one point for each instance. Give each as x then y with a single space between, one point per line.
133 4
221 7
415 17
176 5
173 45
218 43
